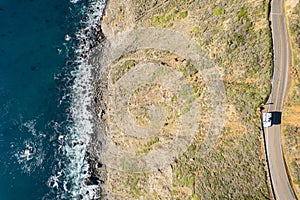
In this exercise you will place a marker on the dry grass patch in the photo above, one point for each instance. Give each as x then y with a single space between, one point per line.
291 114
235 37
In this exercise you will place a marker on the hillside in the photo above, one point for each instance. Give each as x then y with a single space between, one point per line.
180 83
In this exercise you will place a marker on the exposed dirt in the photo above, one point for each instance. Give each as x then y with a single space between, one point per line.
290 5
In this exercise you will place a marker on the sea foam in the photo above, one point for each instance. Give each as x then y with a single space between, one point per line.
78 138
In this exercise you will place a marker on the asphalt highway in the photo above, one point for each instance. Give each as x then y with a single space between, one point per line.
279 178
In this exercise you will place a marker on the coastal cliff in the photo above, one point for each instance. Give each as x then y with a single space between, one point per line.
178 90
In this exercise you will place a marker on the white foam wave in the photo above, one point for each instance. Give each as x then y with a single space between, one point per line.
28 152
74 1
75 143
31 154
30 125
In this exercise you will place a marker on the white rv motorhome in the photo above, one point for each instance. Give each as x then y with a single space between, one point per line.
267 119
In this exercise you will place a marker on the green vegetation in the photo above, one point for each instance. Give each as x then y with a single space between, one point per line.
119 72
149 146
295 27
243 12
134 184
143 6
219 11
195 31
188 70
142 116
183 14
292 137
295 36
167 19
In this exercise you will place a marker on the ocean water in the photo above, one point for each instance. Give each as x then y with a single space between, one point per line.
42 100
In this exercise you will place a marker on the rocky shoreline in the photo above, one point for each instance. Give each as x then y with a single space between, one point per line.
97 169
92 171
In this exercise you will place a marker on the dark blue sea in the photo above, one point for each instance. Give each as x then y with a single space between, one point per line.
38 76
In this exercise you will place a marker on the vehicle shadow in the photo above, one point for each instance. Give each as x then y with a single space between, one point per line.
276 118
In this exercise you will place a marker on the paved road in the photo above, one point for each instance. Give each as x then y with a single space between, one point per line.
280 181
